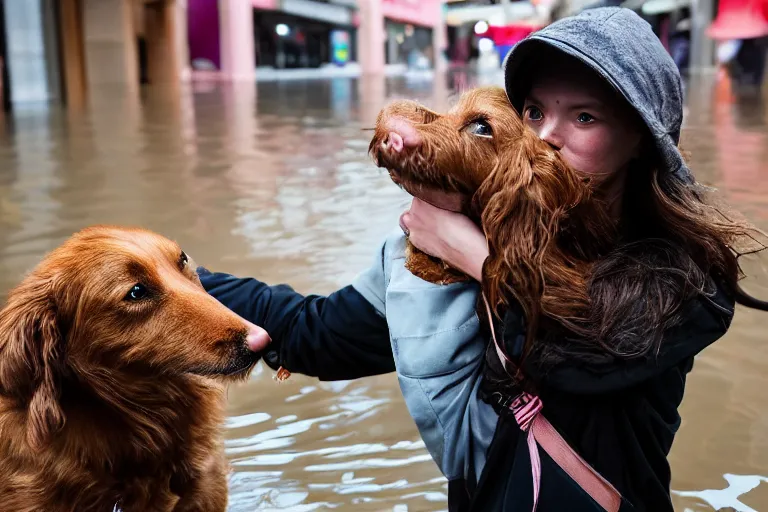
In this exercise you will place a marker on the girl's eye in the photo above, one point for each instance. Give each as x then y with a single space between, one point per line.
534 113
585 118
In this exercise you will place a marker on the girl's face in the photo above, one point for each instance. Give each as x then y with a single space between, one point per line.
578 114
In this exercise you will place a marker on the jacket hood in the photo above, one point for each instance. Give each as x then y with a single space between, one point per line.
622 48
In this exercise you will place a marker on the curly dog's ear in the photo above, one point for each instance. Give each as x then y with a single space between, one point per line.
31 355
525 202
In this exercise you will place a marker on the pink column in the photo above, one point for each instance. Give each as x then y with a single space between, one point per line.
181 46
370 37
439 37
110 43
238 60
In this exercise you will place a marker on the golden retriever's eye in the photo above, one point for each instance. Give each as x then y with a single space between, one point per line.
137 293
183 260
480 128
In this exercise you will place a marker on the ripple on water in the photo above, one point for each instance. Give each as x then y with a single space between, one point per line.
728 497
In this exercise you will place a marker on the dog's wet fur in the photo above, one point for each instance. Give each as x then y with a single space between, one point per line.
113 362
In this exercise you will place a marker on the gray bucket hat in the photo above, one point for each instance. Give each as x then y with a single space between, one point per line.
622 48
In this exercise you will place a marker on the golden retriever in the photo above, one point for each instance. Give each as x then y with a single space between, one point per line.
113 360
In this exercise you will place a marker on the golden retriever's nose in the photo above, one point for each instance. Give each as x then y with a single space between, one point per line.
257 338
402 134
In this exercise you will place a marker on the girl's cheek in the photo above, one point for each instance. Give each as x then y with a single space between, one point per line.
587 152
600 145
577 161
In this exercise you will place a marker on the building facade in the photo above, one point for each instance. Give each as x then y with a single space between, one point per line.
57 50
60 50
312 33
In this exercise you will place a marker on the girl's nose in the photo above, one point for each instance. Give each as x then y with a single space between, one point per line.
551 135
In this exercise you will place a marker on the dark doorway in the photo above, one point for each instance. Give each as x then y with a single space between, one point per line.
5 83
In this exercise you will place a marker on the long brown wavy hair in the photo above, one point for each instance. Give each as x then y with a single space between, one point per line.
630 279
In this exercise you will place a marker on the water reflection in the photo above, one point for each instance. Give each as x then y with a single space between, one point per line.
274 181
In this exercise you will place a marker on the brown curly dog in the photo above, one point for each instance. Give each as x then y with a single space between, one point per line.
543 226
113 360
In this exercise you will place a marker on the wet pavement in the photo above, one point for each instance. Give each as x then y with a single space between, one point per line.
274 182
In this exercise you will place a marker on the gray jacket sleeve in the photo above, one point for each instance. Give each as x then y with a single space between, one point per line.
439 355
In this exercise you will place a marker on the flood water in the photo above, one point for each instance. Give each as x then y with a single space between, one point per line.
274 182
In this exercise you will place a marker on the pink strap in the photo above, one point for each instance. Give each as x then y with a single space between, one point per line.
527 410
600 489
505 361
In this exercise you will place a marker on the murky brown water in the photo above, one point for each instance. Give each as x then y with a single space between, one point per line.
275 183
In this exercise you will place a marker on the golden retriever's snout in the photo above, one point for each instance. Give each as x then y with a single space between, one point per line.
257 338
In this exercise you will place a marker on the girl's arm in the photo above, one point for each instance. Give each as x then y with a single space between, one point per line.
338 337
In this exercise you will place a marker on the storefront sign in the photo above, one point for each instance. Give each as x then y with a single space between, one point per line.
340 46
330 13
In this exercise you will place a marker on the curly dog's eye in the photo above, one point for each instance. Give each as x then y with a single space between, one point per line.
480 128
137 293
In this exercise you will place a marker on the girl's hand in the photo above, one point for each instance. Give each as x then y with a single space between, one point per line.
450 236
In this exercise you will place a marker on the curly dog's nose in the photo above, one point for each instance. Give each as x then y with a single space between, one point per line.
401 135
394 142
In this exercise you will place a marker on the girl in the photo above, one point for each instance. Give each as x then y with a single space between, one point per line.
601 89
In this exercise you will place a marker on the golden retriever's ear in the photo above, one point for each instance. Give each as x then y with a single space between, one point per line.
31 358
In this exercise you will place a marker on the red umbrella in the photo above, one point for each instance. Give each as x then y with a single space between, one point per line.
740 19
510 34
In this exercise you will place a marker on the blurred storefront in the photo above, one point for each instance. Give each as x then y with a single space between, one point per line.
284 34
408 44
303 34
404 34
306 34
483 33
409 32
